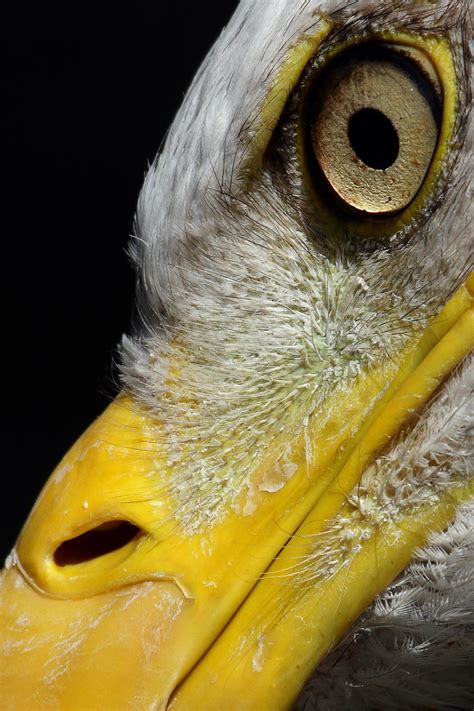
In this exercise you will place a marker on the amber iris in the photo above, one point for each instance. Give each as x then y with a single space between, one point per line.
373 127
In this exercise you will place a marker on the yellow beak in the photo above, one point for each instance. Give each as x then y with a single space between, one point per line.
110 601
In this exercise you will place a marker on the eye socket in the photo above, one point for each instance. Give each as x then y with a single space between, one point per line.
372 126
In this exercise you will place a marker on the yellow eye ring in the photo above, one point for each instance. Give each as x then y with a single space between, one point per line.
372 129
380 199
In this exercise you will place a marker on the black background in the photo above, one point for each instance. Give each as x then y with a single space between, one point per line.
87 96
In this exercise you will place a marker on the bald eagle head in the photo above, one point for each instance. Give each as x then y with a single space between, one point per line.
293 431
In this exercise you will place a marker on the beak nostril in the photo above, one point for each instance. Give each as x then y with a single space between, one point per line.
98 541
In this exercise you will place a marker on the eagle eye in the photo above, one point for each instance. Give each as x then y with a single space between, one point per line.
363 145
372 126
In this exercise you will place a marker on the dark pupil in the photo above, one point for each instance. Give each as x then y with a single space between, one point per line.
373 138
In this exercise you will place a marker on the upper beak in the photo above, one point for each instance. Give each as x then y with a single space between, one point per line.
110 601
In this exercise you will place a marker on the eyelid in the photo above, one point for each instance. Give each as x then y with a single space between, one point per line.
260 128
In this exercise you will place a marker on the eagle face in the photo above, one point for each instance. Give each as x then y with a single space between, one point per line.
295 416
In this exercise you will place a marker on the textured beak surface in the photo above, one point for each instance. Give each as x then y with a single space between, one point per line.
108 602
